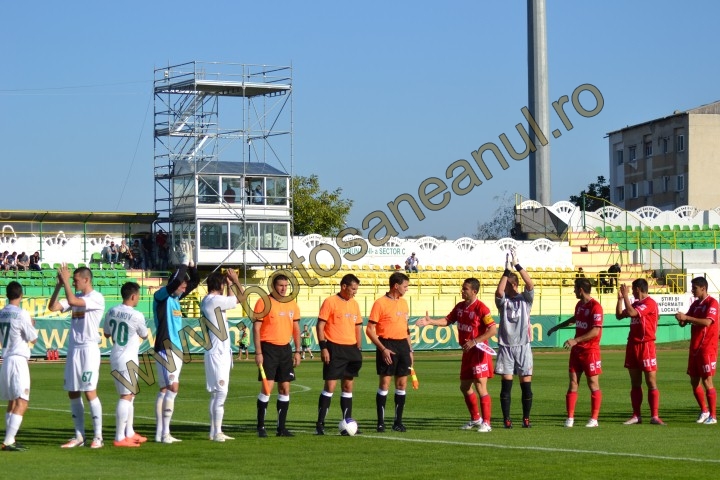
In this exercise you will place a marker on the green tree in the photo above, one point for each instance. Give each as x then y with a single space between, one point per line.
598 192
316 210
501 222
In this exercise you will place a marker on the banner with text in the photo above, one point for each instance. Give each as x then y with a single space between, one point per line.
53 334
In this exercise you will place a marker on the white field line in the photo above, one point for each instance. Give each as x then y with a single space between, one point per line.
548 449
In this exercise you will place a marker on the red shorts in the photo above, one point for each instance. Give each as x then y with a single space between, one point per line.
476 364
641 356
702 364
588 362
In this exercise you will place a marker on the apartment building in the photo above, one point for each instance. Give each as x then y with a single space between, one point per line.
667 162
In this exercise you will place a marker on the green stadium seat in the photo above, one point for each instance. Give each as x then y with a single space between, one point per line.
96 258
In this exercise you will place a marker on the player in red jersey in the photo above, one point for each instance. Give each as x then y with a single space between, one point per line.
640 351
703 318
475 326
585 351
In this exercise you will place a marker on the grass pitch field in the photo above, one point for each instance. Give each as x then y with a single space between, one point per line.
433 446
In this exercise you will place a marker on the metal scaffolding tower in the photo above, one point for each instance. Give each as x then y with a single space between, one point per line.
254 133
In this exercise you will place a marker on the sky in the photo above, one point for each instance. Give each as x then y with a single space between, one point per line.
385 94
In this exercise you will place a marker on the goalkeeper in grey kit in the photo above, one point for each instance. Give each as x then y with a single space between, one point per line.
514 353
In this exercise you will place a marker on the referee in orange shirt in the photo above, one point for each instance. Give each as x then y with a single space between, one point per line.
388 329
339 335
271 335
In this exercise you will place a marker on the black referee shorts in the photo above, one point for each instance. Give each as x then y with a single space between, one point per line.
277 362
345 362
400 367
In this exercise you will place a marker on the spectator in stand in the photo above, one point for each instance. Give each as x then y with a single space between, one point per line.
257 195
113 253
105 254
123 251
2 259
248 192
23 261
411 264
35 261
10 263
229 194
614 274
147 252
136 254
162 250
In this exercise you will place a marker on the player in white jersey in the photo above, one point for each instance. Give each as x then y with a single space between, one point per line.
82 367
514 353
16 331
126 326
219 357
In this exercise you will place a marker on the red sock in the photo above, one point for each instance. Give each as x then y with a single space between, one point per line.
654 401
636 398
712 401
595 401
486 406
570 401
472 406
698 392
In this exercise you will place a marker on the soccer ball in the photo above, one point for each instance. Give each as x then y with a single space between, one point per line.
348 427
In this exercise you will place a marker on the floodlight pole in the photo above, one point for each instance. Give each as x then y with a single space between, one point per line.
538 100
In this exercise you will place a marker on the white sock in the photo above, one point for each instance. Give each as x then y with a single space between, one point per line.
219 411
213 400
121 419
129 430
77 408
96 413
167 411
13 425
159 400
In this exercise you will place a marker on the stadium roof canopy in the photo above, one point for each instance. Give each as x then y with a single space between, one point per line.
76 217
